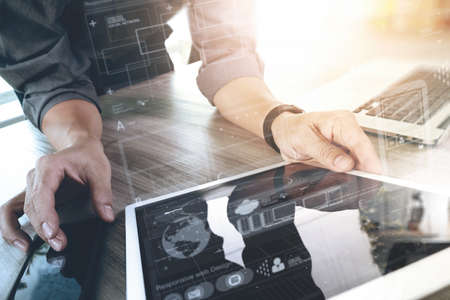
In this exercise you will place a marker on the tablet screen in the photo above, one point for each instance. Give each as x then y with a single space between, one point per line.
293 232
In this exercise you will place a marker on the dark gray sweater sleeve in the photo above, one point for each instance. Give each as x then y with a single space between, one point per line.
37 59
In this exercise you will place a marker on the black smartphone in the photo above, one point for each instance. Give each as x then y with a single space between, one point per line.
68 274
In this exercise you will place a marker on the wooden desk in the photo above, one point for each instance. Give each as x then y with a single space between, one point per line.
168 144
162 136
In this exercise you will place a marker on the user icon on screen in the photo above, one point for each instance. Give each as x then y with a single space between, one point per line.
278 265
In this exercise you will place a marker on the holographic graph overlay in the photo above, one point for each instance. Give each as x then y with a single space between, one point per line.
130 35
115 62
121 26
151 38
129 42
127 39
134 71
126 171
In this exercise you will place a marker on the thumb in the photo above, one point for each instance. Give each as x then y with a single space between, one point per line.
9 224
101 195
329 155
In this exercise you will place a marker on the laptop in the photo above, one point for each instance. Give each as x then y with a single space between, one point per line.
290 232
415 109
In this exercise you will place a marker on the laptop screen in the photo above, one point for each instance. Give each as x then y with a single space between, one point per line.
293 232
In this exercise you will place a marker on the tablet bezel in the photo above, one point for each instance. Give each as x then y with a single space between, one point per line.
413 281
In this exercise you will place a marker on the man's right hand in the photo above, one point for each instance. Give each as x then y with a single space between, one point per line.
332 139
84 162
74 128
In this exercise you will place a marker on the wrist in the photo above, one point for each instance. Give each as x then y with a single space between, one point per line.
75 138
273 124
81 136
72 122
278 124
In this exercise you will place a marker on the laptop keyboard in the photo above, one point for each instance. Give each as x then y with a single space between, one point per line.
411 106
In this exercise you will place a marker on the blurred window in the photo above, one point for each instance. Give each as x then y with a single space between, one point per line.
10 109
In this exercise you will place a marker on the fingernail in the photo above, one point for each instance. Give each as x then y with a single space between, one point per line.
56 244
48 232
342 162
109 213
20 244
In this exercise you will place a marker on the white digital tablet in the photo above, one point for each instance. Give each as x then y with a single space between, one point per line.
290 232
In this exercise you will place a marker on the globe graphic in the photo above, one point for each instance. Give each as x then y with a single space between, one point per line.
185 237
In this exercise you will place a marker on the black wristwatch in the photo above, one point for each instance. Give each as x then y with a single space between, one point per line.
271 116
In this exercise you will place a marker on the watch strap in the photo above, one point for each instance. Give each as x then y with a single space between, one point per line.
271 116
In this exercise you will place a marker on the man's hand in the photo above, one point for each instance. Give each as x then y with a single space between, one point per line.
84 162
74 128
9 223
333 139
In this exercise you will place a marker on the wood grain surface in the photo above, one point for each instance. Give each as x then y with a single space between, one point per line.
162 136
166 145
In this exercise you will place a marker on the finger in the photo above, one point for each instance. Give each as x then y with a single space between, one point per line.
352 137
59 241
16 204
10 226
100 185
40 201
315 145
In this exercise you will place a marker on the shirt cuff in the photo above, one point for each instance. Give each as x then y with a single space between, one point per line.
37 106
65 97
214 76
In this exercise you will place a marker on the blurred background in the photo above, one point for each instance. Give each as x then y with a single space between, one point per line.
327 38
